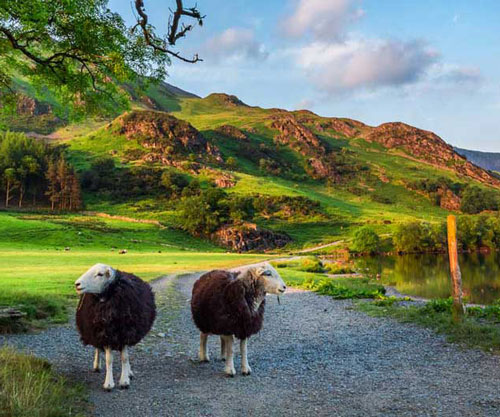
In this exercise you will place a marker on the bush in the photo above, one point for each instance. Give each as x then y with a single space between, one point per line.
365 241
202 214
475 200
311 264
337 269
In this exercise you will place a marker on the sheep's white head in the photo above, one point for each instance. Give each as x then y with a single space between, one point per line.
273 283
95 280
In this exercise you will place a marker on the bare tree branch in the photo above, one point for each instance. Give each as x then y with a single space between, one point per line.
174 33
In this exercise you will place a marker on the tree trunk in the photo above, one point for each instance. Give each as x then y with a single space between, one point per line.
7 193
21 196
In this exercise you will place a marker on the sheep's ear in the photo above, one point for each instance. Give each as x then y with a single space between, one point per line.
260 270
107 274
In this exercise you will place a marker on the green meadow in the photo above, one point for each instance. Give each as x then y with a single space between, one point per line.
41 257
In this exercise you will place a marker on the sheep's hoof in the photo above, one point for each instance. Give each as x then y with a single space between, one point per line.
108 389
124 386
247 372
97 370
230 373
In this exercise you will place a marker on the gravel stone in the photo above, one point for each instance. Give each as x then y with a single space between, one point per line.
314 356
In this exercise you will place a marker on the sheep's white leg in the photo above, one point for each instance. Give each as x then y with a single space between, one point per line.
109 383
222 348
245 368
229 369
125 376
203 354
97 361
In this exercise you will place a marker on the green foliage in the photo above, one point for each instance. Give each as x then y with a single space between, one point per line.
79 51
420 237
339 268
34 169
475 200
311 264
173 183
365 240
479 328
29 387
294 273
202 214
474 232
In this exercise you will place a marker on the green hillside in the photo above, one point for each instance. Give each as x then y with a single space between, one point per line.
317 179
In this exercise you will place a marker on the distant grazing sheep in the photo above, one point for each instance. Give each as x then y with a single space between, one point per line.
116 311
232 304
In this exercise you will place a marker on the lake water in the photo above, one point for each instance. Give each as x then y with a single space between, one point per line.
428 275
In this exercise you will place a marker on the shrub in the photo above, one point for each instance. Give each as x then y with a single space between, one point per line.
202 214
337 269
311 264
475 200
365 240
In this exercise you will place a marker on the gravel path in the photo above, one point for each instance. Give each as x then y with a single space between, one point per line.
314 357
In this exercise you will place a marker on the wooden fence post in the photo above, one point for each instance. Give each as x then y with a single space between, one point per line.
456 275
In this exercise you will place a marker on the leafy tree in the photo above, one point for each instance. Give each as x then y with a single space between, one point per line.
365 240
241 208
475 200
202 214
81 51
409 237
173 182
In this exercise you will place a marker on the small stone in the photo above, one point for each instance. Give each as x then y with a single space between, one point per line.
161 334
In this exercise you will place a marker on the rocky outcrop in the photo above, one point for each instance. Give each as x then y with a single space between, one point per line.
225 181
449 200
165 136
232 132
428 147
225 100
249 237
301 139
347 127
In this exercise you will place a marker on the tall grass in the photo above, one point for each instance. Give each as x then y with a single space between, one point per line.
30 388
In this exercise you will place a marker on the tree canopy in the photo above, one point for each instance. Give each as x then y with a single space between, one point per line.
81 51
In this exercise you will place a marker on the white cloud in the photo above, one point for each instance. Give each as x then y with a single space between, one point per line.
305 103
357 64
324 19
234 43
455 74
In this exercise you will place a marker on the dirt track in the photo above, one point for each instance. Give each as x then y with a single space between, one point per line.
314 357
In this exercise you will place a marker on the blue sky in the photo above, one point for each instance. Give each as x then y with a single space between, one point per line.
430 63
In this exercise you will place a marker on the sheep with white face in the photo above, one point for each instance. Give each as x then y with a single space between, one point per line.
116 311
95 280
231 304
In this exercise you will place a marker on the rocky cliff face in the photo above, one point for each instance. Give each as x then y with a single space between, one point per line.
165 136
249 237
347 127
301 139
428 147
232 132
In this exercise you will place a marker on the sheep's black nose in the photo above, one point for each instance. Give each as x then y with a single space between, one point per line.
77 285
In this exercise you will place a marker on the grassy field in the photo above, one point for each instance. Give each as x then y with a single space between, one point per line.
37 273
479 327
30 388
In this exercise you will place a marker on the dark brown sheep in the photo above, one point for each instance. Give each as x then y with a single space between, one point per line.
116 310
232 304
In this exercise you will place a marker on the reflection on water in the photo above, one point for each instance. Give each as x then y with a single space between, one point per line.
428 275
